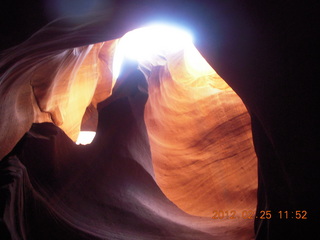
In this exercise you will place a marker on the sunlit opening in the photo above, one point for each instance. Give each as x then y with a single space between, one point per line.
144 44
85 137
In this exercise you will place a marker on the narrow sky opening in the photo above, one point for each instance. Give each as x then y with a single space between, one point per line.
144 44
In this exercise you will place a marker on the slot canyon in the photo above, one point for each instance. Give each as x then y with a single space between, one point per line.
202 114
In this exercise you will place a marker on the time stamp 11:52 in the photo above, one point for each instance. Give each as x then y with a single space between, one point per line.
264 214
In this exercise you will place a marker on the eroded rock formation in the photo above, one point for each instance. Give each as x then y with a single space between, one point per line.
173 144
167 132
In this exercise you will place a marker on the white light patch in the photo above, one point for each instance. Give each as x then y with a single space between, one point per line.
144 44
85 137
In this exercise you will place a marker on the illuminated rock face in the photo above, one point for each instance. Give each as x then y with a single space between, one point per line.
200 138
